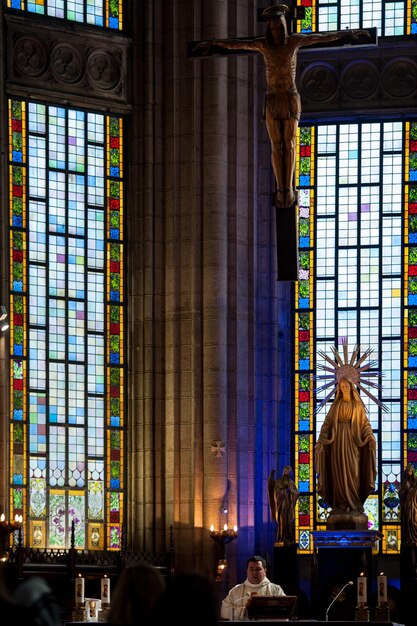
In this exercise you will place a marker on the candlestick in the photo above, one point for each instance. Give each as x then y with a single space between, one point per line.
79 590
382 589
362 589
105 590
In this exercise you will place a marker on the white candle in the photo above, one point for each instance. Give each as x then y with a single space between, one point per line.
382 589
362 591
79 590
105 590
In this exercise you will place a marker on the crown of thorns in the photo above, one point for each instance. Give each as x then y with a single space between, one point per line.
275 11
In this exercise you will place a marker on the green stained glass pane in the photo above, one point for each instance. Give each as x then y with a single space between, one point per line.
305 382
412 317
412 380
115 406
114 376
115 440
18 304
412 441
17 498
305 165
17 141
305 136
17 175
412 285
412 409
304 444
114 157
412 347
17 240
16 110
115 252
413 129
304 288
18 401
115 313
18 335
114 127
115 343
304 350
413 197
307 21
18 432
114 189
115 282
304 228
304 505
114 501
304 410
17 204
304 321
115 219
115 469
17 271
304 472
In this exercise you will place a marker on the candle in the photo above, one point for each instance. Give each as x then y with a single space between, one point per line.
105 590
212 528
362 591
79 590
382 589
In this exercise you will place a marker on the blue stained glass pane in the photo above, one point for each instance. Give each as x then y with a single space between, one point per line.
15 4
17 157
17 221
18 415
412 424
304 242
114 359
412 300
115 172
304 364
413 175
114 296
17 285
412 361
412 237
414 29
303 486
115 483
304 425
18 350
304 303
304 181
114 420
18 479
114 23
114 233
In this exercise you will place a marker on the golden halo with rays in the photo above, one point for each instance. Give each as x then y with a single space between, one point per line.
353 369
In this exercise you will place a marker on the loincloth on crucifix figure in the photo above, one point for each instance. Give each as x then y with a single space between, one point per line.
282 107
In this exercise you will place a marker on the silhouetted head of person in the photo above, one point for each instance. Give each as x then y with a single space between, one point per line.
191 596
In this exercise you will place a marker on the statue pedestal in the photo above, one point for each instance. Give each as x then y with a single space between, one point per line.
341 556
285 572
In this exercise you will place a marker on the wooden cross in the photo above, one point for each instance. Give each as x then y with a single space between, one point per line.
279 48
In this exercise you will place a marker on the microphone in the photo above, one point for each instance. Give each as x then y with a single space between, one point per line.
335 598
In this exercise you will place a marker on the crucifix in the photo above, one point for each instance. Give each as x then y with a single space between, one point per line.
282 107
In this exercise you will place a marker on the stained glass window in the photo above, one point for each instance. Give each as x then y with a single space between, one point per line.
103 13
357 198
66 332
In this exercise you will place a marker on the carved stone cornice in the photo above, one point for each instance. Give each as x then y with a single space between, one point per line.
49 60
359 80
